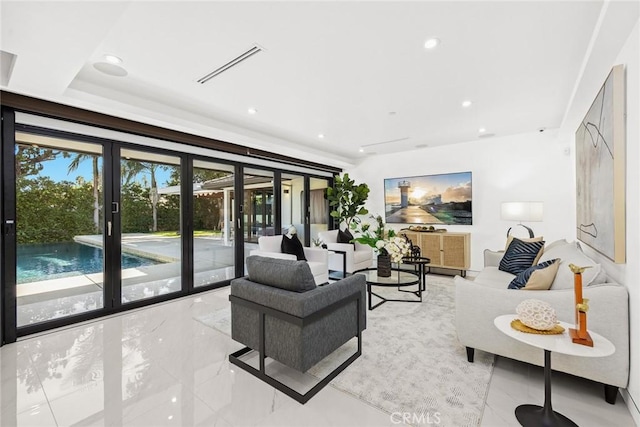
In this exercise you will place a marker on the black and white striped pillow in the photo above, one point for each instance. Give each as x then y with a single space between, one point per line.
520 256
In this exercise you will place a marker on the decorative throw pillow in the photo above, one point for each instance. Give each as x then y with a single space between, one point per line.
538 277
520 255
529 239
571 254
280 273
557 243
345 236
293 246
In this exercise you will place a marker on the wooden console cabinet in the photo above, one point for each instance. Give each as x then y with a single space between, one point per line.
446 250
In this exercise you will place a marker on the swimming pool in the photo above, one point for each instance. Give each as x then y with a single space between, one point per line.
57 260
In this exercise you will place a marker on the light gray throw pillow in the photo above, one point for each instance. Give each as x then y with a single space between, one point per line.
571 254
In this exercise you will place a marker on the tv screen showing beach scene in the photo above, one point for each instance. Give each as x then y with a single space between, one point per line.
429 199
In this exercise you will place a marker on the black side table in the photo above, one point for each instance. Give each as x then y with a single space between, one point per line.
420 262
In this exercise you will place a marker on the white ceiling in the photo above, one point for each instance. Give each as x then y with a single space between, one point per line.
356 72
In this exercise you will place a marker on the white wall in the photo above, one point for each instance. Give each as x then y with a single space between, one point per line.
535 167
628 273
531 167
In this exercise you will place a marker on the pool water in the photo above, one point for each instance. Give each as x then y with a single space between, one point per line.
56 260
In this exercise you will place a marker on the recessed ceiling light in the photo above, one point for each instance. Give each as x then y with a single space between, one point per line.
110 69
112 59
361 150
466 103
482 130
431 43
252 110
321 135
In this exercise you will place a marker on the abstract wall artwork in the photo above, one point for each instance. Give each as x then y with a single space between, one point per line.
600 170
429 199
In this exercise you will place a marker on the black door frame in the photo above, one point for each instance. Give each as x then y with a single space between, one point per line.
112 253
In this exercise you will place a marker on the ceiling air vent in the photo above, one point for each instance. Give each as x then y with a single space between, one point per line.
237 60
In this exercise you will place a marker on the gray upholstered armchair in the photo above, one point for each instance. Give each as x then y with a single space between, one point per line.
278 311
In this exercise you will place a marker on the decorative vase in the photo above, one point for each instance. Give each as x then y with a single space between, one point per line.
384 265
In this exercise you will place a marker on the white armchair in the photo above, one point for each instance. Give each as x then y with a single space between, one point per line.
358 256
317 258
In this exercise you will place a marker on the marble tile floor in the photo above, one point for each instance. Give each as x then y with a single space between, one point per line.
160 366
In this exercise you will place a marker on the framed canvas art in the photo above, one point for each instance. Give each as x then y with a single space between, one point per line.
600 170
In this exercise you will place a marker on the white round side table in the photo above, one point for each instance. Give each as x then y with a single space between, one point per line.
534 415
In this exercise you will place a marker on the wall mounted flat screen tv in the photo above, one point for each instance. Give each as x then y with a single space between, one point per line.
429 199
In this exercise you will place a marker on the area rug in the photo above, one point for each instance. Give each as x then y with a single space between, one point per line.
411 362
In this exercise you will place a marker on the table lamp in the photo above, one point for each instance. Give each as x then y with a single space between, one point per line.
521 211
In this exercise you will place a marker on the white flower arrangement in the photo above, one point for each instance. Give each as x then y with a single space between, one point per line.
397 248
384 242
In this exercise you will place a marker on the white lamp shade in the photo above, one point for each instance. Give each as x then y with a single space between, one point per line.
521 211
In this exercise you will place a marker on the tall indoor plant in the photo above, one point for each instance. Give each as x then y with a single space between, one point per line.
346 198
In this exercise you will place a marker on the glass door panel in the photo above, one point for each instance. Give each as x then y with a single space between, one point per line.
150 212
318 207
257 213
293 211
258 205
59 223
213 222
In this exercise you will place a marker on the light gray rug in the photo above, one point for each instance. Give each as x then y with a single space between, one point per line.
411 360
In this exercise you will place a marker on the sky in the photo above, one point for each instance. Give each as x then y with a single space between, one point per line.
452 187
58 170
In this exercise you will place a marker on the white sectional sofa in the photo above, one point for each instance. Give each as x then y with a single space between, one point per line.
480 301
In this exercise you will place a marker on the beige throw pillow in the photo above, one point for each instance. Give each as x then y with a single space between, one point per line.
542 279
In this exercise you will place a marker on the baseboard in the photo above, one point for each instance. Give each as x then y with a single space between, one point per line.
631 404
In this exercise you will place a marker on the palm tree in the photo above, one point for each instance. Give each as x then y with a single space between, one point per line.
75 163
131 168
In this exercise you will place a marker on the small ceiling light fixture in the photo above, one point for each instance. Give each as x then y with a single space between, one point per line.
252 110
431 43
466 103
321 135
361 150
110 69
482 130
112 59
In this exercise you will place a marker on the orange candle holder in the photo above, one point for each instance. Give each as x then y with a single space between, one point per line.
580 335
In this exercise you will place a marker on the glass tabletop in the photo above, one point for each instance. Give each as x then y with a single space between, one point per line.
397 278
416 260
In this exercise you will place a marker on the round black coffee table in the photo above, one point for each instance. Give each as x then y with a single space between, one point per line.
399 278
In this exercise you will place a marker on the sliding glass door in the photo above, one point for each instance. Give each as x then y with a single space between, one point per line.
293 210
59 223
214 222
258 205
101 225
318 207
150 215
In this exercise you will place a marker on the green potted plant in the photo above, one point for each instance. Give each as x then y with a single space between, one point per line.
347 200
